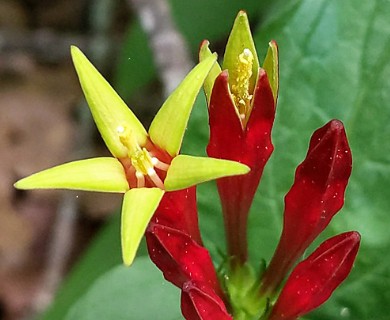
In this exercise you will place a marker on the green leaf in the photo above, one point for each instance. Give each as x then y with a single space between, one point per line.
135 66
186 171
168 126
240 38
138 207
108 109
96 174
217 18
333 64
139 292
90 266
208 84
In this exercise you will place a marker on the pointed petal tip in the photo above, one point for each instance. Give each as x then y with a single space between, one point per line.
273 43
168 134
74 49
336 125
204 43
127 260
19 185
354 235
108 109
138 207
76 54
95 174
242 13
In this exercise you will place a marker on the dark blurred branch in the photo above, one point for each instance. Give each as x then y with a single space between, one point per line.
169 48
44 45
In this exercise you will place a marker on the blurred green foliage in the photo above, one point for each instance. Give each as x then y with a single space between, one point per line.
334 63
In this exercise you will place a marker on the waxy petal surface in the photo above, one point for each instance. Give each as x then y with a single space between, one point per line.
208 84
178 210
138 207
169 124
96 174
240 38
179 257
315 197
186 171
108 109
199 302
314 279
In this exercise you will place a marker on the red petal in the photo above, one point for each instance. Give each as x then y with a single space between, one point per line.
179 257
174 245
250 145
178 210
199 302
315 197
314 279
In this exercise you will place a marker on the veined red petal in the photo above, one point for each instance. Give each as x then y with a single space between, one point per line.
178 210
314 279
174 245
179 257
315 197
200 302
250 145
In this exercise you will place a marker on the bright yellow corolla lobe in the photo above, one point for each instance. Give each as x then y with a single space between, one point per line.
240 85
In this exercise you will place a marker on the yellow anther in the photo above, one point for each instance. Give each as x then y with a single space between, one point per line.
240 87
128 140
142 161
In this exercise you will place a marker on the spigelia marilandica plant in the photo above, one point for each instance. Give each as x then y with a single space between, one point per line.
160 187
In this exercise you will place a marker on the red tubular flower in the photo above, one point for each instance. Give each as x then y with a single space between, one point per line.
250 145
241 100
314 279
315 197
174 245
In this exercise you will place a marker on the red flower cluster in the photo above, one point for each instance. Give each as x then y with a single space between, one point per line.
317 194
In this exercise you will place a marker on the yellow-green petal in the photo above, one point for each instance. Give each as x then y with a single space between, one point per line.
240 38
168 127
138 207
108 109
96 174
208 84
186 171
271 67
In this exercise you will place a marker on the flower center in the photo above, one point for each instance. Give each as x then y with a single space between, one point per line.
141 160
240 85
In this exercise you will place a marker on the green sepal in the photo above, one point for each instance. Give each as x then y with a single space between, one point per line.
139 205
186 171
108 109
208 84
169 124
96 174
271 67
240 38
